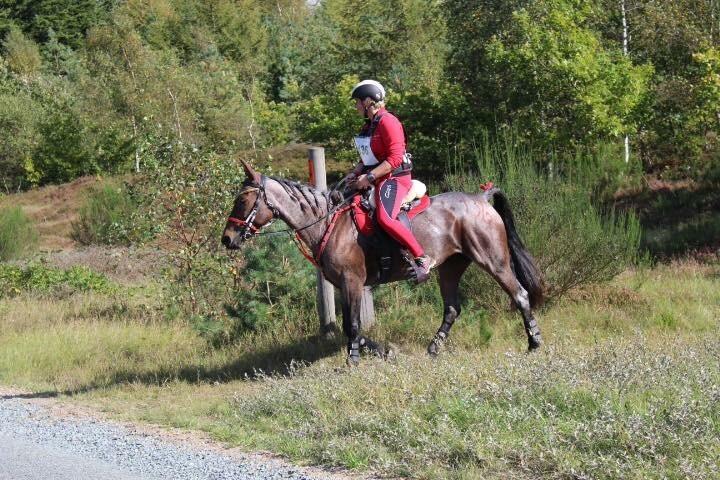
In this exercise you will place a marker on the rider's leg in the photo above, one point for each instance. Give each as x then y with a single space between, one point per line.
388 198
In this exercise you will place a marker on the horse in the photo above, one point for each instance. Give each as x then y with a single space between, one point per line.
455 230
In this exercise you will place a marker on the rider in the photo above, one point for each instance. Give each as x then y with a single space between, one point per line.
386 165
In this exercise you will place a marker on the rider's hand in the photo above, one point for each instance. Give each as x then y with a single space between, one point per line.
362 182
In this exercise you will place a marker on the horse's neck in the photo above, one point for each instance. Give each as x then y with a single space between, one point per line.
309 219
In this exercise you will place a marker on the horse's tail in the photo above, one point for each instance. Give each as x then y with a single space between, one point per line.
524 266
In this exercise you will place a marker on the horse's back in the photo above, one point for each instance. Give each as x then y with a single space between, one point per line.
454 219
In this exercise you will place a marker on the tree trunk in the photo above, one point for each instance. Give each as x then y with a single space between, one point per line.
625 52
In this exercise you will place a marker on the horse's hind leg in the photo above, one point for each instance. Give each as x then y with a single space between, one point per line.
499 267
507 280
449 278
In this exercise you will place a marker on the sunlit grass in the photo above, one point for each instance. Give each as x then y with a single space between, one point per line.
626 386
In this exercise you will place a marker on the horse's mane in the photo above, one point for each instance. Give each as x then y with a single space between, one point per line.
308 197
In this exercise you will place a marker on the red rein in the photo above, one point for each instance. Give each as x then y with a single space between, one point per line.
307 253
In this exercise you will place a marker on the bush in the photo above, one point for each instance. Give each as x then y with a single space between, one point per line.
17 234
104 217
573 240
278 286
40 278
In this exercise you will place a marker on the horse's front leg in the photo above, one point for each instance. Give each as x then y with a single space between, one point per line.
352 291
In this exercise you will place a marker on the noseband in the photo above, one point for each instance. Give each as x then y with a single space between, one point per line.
247 227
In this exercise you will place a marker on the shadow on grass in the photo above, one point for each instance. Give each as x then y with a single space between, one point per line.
272 361
677 218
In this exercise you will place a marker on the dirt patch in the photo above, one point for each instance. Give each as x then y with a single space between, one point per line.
53 209
126 265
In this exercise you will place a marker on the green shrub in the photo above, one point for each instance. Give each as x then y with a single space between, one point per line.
105 217
17 234
15 279
573 240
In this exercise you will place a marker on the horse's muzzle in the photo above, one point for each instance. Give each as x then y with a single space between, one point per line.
229 243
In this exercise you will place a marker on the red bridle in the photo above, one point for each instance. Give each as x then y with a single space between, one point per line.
248 228
244 224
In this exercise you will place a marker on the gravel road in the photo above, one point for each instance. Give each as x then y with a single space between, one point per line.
37 443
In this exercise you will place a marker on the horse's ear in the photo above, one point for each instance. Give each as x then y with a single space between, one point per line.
251 174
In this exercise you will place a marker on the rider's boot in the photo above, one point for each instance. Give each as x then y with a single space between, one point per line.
423 264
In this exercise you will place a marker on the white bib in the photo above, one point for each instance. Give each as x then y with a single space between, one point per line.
366 155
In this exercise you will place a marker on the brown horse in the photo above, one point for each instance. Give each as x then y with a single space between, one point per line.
455 230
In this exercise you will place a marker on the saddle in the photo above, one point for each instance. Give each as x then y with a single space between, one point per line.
371 235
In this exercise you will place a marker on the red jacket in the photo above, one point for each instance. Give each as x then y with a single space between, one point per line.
388 140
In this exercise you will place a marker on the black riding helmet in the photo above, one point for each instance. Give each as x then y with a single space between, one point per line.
368 89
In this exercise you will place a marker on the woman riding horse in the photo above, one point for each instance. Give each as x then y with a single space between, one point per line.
457 229
385 165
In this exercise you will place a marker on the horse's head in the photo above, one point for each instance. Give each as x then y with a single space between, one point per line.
251 211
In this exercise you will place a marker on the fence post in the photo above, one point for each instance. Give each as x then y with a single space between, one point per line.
325 290
367 309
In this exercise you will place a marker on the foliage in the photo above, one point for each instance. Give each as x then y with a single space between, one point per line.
40 278
672 120
538 67
22 54
106 86
331 120
17 234
185 200
276 287
19 118
708 92
67 21
103 217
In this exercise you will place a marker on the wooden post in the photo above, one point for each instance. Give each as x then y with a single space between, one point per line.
367 309
325 290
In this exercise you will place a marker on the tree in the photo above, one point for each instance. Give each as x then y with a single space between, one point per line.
539 67
22 54
667 35
69 20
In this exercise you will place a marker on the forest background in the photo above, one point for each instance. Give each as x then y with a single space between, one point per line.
106 86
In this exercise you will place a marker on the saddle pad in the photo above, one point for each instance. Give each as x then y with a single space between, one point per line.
364 221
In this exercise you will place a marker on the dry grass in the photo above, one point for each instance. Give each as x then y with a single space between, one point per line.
627 386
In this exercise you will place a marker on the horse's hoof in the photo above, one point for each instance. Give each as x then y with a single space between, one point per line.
534 342
390 353
328 332
352 361
436 344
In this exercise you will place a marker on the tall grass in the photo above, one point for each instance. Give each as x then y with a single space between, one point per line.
574 239
17 234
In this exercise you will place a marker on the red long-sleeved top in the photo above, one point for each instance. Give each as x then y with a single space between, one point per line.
388 140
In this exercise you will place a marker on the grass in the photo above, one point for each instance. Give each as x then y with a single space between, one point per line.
18 236
626 387
103 215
